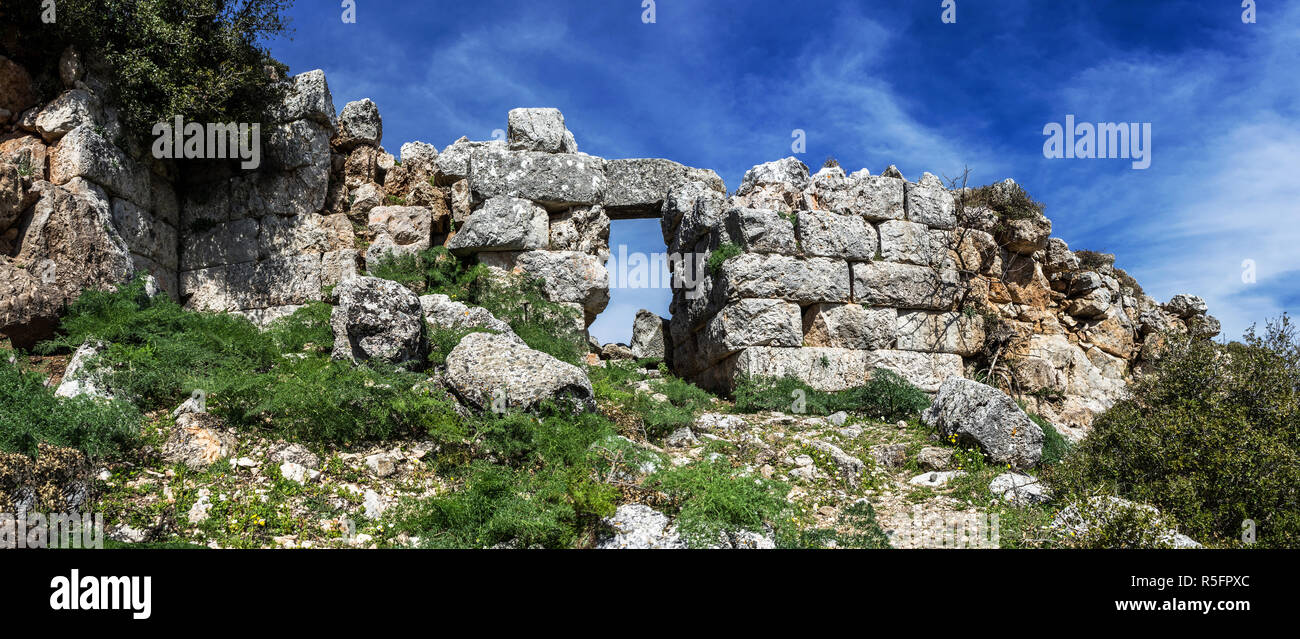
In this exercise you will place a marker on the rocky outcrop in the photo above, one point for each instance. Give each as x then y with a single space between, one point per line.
649 332
978 415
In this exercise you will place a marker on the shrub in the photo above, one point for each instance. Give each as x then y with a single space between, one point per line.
31 415
1055 445
1009 202
885 395
1093 260
720 255
204 60
712 498
1209 437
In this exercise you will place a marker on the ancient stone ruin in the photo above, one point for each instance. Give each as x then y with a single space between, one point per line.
827 277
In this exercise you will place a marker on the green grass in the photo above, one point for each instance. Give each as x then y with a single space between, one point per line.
886 395
723 253
713 498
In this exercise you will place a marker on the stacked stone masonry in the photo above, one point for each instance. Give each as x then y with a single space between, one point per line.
831 276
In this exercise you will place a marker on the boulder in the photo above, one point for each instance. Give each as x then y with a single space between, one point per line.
443 312
198 441
538 130
805 281
649 336
616 351
934 458
421 155
485 367
309 98
581 228
985 416
1186 306
761 231
905 286
690 211
639 527
378 319
399 230
16 91
454 160
1021 490
83 378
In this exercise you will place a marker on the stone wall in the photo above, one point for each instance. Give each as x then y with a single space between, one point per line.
830 276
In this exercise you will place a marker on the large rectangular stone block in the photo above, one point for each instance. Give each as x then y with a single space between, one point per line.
849 237
552 179
926 371
761 231
750 322
849 326
225 243
637 188
905 286
804 281
952 332
826 369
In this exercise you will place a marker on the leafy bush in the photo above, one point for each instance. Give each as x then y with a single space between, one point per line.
1093 260
431 271
1007 202
30 415
204 60
1209 437
885 395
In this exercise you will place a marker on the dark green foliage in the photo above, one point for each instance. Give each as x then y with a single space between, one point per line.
713 498
720 255
1127 280
1211 437
30 414
431 271
885 395
1008 203
204 60
1055 445
545 490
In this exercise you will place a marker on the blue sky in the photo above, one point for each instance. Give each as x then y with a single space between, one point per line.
722 84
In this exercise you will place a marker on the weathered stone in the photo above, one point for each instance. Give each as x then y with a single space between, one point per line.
582 228
359 124
750 322
567 276
315 233
16 91
537 130
199 440
926 371
308 98
420 154
875 198
443 312
378 319
485 368
784 171
690 211
650 336
912 243
144 235
1083 518
985 416
639 527
83 153
761 231
70 243
556 180
933 458
616 351
827 369
892 456
1186 306
931 204
905 286
805 281
454 160
1021 490
639 187
849 237
83 377
1059 257
951 332
849 326
68 111
399 230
